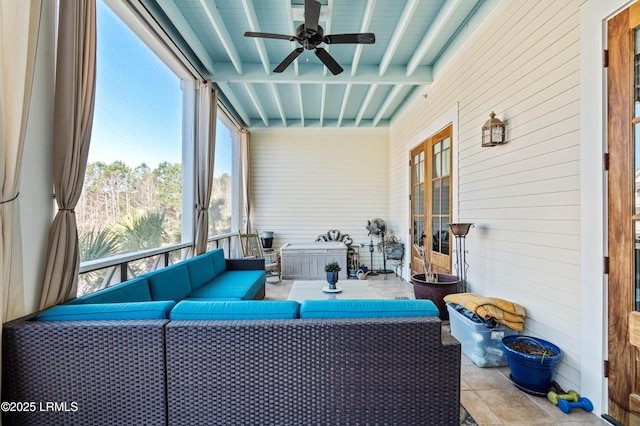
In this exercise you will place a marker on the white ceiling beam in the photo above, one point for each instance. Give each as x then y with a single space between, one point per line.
250 11
235 102
398 34
178 20
299 86
435 29
388 101
276 97
367 74
365 104
343 105
211 10
297 13
364 28
256 102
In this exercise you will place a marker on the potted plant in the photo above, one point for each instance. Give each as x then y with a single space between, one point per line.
332 269
433 286
532 362
393 247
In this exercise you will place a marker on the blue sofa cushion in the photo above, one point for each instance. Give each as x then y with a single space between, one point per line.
239 310
171 283
219 264
231 284
201 270
367 308
107 311
136 290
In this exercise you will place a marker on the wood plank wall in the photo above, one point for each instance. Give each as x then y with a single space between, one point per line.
523 196
304 183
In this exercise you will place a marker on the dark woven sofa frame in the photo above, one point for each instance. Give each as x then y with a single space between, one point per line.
395 371
113 370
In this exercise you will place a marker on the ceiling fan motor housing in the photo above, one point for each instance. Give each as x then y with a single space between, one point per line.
308 39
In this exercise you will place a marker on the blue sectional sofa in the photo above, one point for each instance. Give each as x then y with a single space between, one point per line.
156 352
153 296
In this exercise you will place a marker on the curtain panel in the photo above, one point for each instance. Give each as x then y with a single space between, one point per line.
73 118
205 156
246 178
19 27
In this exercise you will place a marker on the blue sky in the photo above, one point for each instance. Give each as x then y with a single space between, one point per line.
138 113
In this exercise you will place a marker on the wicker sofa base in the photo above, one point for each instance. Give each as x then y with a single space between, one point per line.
325 371
84 372
281 372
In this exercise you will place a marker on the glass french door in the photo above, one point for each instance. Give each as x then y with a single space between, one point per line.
430 170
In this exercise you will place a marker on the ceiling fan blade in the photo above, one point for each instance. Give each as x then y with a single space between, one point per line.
357 38
311 15
328 61
287 61
269 35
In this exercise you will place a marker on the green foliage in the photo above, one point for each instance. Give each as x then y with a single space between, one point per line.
97 244
139 232
123 209
332 267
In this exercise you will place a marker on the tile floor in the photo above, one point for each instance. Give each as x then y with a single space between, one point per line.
487 393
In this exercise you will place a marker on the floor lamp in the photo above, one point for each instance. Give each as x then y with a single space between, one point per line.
460 231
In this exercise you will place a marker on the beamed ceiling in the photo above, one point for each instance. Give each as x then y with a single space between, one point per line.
411 36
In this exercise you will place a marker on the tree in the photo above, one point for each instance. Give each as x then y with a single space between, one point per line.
220 205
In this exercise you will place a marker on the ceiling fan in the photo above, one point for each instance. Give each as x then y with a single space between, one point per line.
310 35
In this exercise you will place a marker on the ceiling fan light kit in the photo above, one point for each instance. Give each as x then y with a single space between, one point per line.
310 34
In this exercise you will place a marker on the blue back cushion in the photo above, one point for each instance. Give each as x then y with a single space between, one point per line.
232 284
171 283
234 310
136 290
219 264
367 308
107 311
200 271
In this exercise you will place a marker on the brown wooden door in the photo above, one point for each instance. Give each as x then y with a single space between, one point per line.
430 170
418 168
623 210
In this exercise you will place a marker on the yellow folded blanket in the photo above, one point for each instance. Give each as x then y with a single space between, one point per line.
502 311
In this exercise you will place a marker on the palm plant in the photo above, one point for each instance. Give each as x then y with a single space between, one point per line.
95 245
140 232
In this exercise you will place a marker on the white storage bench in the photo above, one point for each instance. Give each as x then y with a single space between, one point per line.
306 261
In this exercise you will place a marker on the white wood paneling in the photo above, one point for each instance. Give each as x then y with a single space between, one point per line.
524 197
305 183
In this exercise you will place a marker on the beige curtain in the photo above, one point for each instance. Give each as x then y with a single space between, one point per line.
19 26
246 178
205 155
73 117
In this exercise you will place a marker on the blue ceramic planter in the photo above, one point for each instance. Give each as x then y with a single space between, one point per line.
532 373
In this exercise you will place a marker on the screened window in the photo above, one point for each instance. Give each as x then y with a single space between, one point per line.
132 194
220 207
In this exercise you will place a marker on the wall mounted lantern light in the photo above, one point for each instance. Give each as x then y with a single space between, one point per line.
493 132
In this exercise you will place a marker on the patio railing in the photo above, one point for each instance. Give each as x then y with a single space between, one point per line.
103 273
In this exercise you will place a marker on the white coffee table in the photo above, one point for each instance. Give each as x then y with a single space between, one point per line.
351 289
